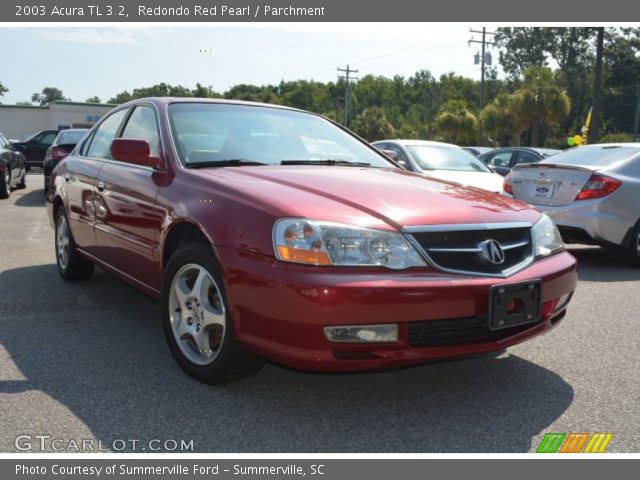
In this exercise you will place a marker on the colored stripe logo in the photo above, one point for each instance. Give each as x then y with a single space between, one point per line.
583 442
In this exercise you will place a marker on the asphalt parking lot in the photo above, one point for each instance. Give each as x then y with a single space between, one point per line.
89 361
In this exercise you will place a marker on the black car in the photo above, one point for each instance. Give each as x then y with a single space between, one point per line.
35 147
13 170
65 141
502 160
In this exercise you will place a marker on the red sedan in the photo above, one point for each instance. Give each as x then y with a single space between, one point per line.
268 232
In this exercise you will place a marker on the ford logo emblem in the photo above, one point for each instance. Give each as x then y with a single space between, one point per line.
542 190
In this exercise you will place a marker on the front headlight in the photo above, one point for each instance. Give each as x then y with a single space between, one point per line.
546 237
300 240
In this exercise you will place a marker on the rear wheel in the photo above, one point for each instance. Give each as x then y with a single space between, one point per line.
22 184
5 184
633 250
196 319
71 264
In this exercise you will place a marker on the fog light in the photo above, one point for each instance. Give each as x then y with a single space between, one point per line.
563 301
362 333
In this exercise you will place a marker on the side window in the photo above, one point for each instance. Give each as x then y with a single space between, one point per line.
101 141
398 150
142 125
46 138
3 142
527 157
501 159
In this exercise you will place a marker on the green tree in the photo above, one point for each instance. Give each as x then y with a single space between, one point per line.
521 48
372 125
502 119
455 123
542 101
3 89
94 99
24 104
204 92
48 95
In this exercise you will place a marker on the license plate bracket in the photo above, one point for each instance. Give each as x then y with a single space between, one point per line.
514 304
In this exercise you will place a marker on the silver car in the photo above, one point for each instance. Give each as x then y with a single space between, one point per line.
592 193
443 161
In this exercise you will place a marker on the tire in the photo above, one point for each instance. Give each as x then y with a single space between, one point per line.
71 264
46 185
5 184
22 184
196 320
633 250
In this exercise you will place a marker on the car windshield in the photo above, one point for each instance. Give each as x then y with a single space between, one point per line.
206 133
601 156
69 137
436 157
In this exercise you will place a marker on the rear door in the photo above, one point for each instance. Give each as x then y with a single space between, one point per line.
128 223
80 177
548 184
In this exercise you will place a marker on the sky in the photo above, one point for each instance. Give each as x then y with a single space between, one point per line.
103 61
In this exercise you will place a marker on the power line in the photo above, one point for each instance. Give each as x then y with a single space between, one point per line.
348 71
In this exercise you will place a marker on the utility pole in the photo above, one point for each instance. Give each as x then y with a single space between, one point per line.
347 76
483 59
636 120
429 91
594 132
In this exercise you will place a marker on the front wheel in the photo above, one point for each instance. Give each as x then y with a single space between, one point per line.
196 319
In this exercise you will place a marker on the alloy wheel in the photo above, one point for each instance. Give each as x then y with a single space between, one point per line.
62 242
197 314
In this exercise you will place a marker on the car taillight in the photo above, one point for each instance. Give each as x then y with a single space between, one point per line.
598 186
506 184
58 153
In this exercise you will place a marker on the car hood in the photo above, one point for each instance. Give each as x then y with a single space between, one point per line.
372 197
486 180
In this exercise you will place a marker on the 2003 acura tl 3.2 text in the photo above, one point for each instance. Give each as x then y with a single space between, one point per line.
268 232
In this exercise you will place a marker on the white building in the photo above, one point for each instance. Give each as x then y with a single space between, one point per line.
20 121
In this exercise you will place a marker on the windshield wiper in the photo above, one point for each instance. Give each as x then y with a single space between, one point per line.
328 161
230 162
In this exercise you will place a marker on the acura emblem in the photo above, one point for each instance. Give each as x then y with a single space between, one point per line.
491 252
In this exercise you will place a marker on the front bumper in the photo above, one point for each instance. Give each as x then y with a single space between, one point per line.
279 310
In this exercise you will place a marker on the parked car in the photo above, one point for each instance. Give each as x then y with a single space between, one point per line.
443 161
269 232
502 160
35 147
477 151
590 192
13 173
64 142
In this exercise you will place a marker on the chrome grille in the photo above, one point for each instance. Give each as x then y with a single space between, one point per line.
471 249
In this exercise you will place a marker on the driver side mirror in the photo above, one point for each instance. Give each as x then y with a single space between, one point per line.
135 152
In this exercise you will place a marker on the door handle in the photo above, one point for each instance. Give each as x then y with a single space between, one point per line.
101 187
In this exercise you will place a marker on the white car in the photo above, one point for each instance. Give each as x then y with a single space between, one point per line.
443 161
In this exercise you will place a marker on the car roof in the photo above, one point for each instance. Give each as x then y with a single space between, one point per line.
164 101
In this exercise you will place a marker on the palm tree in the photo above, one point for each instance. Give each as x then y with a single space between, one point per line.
456 123
504 118
541 101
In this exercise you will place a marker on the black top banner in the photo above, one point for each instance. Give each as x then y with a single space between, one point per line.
318 11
